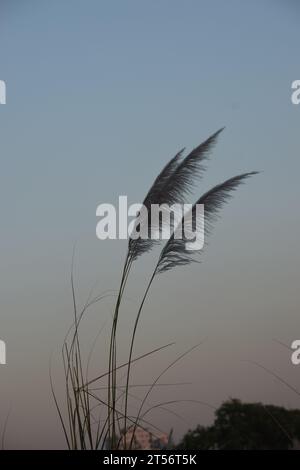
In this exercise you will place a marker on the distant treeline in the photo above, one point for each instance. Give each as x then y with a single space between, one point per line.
247 426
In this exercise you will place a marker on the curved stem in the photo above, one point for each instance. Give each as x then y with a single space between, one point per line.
113 353
132 343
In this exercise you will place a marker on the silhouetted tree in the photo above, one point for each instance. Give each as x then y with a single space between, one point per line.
247 426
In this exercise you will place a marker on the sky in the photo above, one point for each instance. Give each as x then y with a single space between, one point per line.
100 95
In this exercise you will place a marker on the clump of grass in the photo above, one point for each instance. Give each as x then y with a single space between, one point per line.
83 428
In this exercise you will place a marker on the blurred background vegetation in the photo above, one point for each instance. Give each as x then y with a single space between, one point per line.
247 426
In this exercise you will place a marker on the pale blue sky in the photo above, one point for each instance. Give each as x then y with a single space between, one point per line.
100 94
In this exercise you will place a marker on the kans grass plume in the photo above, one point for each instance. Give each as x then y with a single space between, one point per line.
174 184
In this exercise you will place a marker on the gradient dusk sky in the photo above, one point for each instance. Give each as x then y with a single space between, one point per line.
100 94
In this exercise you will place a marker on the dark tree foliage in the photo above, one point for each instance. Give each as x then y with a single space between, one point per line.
247 426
